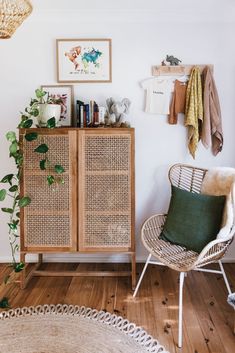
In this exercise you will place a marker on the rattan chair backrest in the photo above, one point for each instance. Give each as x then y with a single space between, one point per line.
187 177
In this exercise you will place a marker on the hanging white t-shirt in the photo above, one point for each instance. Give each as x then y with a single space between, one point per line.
158 95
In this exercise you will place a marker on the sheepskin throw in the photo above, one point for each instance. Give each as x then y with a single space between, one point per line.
221 181
231 299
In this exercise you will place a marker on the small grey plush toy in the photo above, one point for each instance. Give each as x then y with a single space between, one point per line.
116 111
172 60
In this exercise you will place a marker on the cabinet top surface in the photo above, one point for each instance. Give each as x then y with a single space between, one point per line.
67 129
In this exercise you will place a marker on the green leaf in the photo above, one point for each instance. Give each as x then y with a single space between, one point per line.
12 226
13 188
43 148
59 169
18 267
7 179
3 193
24 201
40 93
13 148
27 124
4 303
51 123
31 136
33 101
7 210
50 179
42 164
24 117
18 159
18 214
35 112
11 136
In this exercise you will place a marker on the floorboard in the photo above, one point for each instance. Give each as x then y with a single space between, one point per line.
207 321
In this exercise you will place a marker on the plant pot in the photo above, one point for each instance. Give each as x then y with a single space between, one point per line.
48 111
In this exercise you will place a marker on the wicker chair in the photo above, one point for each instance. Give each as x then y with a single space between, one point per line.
177 257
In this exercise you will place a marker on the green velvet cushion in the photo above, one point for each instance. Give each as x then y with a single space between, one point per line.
193 220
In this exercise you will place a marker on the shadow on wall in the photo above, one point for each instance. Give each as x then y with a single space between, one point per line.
158 197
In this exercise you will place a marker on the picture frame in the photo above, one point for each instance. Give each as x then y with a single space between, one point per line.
65 92
84 60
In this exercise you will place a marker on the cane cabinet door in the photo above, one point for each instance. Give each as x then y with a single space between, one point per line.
49 223
106 190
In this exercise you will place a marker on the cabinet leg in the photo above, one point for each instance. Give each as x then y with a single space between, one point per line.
23 272
26 276
40 258
133 271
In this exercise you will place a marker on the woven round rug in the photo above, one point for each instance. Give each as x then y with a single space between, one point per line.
71 329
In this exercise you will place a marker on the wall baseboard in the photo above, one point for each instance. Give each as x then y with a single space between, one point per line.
73 258
88 259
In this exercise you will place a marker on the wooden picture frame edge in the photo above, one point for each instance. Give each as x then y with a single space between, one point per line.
109 40
73 120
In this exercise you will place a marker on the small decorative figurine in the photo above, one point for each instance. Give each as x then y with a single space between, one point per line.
172 60
116 112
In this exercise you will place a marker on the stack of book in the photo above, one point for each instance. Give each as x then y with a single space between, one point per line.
89 115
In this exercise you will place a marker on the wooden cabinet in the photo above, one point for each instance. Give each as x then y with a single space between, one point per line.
93 211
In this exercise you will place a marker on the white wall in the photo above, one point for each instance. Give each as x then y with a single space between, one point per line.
141 37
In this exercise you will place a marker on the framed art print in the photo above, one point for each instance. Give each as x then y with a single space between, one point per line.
84 60
65 94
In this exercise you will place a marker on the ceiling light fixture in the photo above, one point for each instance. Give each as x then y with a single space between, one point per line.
12 14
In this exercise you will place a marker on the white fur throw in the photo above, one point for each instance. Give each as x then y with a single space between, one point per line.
221 181
231 299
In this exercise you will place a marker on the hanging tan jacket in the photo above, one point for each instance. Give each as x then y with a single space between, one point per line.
193 109
178 101
212 133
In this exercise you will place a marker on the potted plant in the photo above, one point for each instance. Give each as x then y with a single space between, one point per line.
45 107
11 182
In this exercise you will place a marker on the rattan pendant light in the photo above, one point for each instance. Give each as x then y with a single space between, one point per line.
12 14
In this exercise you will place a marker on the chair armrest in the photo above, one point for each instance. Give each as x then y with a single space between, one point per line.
214 250
153 225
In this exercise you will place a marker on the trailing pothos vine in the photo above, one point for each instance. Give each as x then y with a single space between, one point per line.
11 190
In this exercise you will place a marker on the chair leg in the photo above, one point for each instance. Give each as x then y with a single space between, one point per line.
225 277
142 275
181 285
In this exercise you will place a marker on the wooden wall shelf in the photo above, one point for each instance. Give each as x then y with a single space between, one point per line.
169 70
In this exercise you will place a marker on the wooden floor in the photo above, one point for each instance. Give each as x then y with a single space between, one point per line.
207 322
